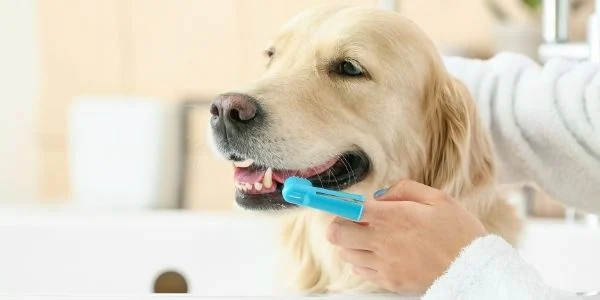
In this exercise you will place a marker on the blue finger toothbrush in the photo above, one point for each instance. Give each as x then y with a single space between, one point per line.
300 191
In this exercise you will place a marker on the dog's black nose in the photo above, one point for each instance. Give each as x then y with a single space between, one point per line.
233 112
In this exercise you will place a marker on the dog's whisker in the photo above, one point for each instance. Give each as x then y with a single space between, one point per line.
320 180
339 186
349 169
331 174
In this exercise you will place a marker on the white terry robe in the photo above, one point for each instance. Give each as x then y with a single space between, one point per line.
490 268
545 125
544 121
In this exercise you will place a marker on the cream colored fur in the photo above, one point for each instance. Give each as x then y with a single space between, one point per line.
408 115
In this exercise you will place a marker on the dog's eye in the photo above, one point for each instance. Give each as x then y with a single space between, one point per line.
349 68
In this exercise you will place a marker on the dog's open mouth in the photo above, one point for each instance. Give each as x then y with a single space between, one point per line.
259 187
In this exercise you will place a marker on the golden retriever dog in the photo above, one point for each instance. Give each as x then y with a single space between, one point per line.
354 99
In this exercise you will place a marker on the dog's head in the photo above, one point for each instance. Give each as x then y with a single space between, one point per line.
354 99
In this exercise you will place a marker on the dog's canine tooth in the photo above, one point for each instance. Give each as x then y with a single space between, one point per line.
243 164
268 178
258 186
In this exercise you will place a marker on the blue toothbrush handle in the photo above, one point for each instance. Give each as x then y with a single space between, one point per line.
300 191
345 209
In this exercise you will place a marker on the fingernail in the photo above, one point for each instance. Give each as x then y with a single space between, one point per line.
380 192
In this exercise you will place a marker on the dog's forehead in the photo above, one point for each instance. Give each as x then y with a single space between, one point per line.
339 23
317 38
310 19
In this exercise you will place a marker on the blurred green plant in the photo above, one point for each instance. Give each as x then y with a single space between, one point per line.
500 12
533 4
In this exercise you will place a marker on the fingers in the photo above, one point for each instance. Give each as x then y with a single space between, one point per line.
359 258
407 196
408 190
376 212
351 235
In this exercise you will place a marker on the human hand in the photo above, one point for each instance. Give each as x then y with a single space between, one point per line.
407 238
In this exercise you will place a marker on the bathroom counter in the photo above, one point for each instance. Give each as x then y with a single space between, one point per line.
72 252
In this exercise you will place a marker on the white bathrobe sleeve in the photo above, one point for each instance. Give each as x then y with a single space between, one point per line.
545 126
490 268
544 121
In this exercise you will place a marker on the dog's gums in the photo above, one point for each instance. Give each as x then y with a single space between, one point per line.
255 184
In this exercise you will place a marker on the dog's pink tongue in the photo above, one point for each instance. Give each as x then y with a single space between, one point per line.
248 175
281 176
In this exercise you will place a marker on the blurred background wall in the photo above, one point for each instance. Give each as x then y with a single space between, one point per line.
54 51
20 76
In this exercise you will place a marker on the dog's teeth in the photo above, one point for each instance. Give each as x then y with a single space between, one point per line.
258 186
243 164
242 186
248 186
268 179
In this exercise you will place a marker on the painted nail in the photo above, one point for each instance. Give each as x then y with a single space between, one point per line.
380 192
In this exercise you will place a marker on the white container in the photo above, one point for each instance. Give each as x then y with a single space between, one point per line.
124 152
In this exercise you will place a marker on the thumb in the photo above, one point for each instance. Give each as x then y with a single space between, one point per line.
409 190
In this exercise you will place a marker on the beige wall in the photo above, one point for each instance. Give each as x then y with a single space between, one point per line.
179 48
19 88
457 24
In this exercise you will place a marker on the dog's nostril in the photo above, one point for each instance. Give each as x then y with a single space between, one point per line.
214 110
234 108
234 114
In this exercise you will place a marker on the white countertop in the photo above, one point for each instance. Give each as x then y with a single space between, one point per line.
56 252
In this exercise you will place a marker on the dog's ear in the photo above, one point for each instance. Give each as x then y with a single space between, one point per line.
447 125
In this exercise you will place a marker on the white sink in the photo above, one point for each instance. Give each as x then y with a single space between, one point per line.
50 252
